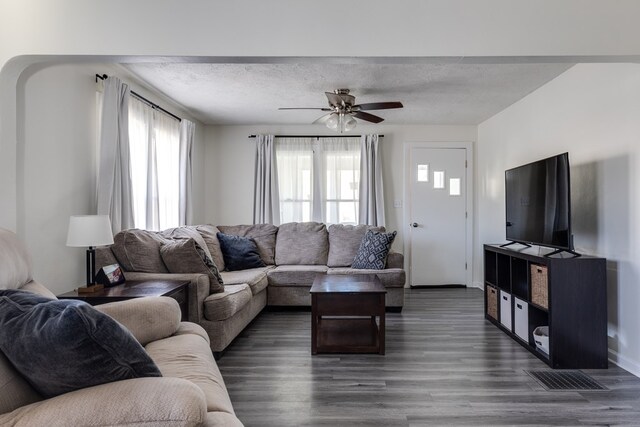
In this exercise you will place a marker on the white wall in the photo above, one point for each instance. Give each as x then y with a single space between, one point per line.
230 158
57 165
592 111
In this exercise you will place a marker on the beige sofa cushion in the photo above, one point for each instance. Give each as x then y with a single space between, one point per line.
210 235
225 304
256 278
184 233
302 243
186 256
344 241
189 357
15 263
16 391
140 402
139 250
390 277
295 275
263 234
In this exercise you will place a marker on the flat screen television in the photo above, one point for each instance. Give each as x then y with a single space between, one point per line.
538 203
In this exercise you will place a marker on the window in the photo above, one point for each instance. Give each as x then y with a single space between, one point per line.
318 179
154 145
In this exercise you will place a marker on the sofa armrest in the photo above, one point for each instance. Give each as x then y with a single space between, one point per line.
395 260
140 402
148 319
198 289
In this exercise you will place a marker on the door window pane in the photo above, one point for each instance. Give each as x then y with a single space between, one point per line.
454 186
438 179
423 173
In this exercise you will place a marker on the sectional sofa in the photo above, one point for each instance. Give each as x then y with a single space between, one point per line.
191 391
294 254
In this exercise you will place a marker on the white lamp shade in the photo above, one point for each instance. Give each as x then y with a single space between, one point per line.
89 230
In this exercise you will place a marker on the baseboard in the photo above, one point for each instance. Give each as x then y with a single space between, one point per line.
624 363
478 285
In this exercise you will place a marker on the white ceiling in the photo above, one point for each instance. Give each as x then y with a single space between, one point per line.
437 94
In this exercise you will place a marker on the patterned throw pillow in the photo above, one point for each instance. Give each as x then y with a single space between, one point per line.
373 251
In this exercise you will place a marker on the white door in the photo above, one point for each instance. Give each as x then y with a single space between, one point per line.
438 216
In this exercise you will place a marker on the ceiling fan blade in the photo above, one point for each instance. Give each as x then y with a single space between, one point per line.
306 108
334 99
368 117
378 106
322 119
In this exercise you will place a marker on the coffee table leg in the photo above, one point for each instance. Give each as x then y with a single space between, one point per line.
314 325
381 328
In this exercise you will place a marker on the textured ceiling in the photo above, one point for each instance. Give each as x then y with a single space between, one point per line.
438 94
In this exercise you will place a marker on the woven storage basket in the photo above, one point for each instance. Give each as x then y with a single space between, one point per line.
492 302
539 285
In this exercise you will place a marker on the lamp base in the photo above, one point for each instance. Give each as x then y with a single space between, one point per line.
90 289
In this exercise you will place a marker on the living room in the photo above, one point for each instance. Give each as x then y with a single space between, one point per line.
48 120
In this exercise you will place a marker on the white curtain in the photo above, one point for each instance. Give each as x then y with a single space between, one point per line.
266 200
187 133
155 152
318 179
339 170
114 196
371 189
294 157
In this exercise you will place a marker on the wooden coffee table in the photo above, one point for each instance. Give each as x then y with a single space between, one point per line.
176 289
343 314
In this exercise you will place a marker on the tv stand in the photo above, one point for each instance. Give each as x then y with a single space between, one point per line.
557 251
516 243
525 290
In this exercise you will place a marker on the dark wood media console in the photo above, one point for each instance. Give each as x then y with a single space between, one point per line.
524 290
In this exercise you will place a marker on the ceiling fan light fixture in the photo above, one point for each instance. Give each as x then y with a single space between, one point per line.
333 121
349 123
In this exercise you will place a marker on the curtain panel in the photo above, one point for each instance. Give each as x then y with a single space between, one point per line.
266 199
114 196
371 188
187 134
155 153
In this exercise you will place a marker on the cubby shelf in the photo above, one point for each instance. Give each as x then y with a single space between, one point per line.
576 304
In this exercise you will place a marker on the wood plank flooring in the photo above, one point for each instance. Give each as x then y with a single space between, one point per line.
445 365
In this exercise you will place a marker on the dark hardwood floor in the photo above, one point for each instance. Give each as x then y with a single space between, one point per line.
445 365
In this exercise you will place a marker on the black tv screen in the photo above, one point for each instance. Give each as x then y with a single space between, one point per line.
538 203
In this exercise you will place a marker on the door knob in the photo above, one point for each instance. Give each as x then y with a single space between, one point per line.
414 224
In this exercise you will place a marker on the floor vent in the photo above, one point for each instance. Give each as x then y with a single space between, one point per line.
565 380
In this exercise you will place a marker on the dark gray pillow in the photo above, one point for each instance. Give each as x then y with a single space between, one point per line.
240 253
66 345
373 251
186 256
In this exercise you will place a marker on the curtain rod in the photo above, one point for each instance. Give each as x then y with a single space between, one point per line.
314 136
143 99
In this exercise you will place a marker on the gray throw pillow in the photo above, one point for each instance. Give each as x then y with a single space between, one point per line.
240 253
64 345
373 251
186 256
139 250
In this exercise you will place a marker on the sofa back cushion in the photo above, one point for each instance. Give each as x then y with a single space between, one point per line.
302 243
210 235
16 391
139 250
187 256
263 234
344 241
15 264
187 232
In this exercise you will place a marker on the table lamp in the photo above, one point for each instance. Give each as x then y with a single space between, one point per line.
90 231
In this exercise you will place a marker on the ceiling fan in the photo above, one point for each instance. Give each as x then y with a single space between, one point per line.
343 110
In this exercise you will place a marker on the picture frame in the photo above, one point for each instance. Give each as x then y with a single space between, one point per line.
110 275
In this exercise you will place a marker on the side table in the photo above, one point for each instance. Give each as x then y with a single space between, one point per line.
176 289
